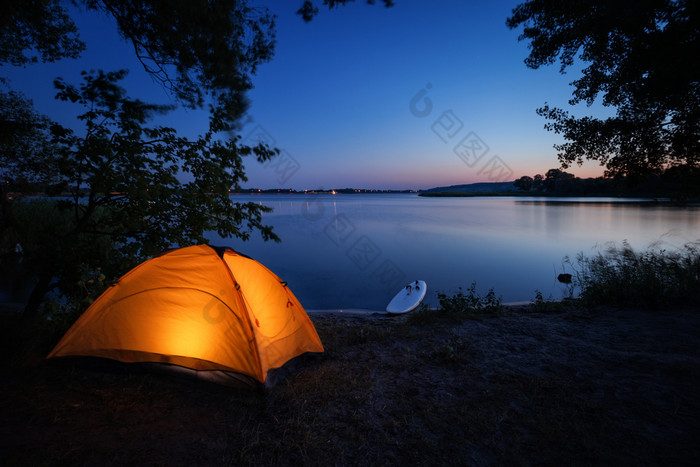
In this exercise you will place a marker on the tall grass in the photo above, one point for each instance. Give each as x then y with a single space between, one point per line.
654 278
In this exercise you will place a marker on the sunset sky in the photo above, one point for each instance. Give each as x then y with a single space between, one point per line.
341 96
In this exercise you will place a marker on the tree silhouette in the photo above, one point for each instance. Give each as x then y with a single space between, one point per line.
309 9
524 183
641 59
129 189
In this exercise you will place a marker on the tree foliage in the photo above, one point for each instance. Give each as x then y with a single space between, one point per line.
33 30
125 189
198 46
24 137
122 163
557 182
679 183
309 9
197 49
641 59
524 183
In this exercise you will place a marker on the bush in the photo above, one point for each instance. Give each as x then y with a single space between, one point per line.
459 307
471 302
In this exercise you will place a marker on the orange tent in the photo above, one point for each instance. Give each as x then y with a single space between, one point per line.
213 312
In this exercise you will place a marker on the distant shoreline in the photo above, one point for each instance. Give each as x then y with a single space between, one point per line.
526 194
337 191
552 197
563 198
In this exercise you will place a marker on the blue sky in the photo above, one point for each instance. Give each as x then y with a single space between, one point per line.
336 98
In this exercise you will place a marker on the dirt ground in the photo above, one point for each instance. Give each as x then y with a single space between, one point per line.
605 387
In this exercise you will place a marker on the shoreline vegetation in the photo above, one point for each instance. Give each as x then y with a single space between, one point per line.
608 378
525 194
676 185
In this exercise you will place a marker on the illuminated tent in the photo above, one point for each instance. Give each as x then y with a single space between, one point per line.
212 313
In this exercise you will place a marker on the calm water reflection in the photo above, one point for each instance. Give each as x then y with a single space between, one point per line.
355 251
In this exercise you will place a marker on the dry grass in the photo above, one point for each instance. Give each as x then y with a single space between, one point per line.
578 388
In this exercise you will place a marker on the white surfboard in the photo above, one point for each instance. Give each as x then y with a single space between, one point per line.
408 298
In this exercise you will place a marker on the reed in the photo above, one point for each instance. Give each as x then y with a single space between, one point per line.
653 278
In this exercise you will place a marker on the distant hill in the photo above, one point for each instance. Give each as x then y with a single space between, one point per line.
484 187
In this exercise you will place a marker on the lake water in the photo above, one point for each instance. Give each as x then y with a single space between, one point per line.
356 251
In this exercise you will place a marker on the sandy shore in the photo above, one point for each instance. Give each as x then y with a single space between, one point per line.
608 387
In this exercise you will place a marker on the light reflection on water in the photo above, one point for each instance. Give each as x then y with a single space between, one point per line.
355 251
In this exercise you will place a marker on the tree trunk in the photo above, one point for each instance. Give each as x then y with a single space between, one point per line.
31 310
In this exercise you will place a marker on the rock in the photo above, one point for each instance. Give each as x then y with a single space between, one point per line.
564 278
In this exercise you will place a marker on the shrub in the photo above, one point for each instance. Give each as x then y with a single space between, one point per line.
458 307
471 302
